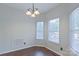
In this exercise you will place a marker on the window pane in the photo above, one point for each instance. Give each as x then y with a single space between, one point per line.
74 23
39 30
53 30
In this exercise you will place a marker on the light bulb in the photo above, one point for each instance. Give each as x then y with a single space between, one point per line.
36 12
33 15
28 13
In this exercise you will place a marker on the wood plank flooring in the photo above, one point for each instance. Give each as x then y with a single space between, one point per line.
32 51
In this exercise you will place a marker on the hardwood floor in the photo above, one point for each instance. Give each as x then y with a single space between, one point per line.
32 51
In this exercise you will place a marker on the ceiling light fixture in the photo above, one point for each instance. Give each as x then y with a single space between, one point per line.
32 12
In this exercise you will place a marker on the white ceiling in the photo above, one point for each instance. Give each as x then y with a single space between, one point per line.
43 7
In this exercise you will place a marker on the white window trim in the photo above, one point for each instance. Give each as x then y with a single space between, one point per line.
48 31
71 31
43 30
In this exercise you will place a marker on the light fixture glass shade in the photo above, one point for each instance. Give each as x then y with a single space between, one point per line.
28 13
33 15
36 12
32 12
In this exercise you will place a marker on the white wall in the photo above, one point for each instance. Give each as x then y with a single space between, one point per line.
15 29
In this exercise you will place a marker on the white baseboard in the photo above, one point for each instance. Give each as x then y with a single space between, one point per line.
55 51
75 53
14 50
29 47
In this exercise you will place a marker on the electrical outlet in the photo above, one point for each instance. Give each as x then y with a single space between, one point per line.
24 43
61 49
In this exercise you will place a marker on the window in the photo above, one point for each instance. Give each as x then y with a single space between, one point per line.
74 29
39 30
53 30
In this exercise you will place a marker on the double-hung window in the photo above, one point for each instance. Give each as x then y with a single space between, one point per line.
40 30
53 30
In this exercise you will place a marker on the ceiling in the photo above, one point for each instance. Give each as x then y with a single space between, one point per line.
43 7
